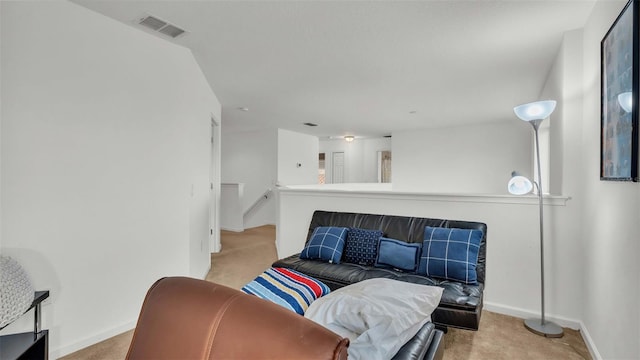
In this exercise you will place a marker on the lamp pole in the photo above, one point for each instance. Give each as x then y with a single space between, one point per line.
540 326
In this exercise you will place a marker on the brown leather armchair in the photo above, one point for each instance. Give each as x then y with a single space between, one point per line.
184 318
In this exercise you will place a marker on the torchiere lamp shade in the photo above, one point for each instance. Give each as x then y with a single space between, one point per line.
538 110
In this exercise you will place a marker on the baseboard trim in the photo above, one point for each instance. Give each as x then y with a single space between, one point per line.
589 341
204 277
231 229
562 321
259 224
91 340
525 314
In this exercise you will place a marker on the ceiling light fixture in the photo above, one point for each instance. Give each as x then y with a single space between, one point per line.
349 138
243 108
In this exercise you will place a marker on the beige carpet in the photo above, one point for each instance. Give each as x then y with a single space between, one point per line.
245 255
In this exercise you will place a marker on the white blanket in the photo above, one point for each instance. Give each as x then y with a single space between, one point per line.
377 315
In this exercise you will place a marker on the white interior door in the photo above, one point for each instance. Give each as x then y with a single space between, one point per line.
337 173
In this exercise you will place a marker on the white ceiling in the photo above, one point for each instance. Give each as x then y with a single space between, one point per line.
363 67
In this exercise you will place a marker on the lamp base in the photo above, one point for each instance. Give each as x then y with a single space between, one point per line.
548 329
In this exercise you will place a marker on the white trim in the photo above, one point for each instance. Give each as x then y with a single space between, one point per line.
564 322
231 229
525 314
214 121
216 189
591 345
552 200
263 223
91 340
204 276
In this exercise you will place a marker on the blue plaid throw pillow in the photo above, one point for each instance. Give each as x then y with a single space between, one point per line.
450 253
361 246
326 243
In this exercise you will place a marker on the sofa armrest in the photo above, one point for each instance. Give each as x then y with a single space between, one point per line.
427 344
436 348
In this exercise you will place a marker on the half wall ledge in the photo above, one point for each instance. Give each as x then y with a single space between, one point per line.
370 191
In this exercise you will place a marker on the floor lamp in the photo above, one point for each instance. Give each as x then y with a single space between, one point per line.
534 113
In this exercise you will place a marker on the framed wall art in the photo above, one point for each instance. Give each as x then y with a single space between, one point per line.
620 86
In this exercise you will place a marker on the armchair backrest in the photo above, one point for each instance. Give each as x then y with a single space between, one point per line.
184 318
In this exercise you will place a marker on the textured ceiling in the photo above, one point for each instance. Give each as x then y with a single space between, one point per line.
366 68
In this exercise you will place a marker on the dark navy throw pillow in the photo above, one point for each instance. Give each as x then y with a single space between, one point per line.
361 246
326 243
450 253
397 254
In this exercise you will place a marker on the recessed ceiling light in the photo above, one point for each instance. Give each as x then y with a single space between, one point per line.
242 108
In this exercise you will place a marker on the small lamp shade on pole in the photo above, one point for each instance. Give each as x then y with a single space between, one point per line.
519 185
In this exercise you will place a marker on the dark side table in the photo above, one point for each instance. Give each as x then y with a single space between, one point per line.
30 345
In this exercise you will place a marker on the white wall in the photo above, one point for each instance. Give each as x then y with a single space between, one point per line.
259 160
232 196
361 158
1 75
105 165
599 235
251 158
216 169
293 149
470 159
611 212
553 128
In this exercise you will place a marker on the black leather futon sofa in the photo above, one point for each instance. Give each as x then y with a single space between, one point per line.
460 305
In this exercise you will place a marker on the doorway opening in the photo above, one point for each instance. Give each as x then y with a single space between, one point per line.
384 166
321 169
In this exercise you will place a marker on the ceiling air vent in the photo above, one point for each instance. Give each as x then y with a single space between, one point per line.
309 124
161 26
172 31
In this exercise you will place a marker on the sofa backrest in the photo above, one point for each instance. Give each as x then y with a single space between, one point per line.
405 228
